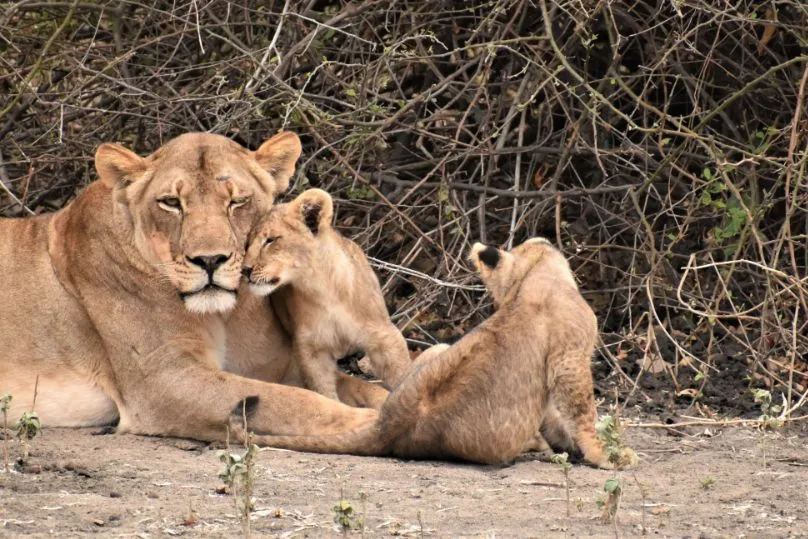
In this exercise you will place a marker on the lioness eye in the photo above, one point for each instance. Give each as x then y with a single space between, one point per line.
170 203
269 241
238 202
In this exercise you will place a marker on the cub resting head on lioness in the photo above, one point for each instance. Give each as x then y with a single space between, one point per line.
324 293
482 399
122 305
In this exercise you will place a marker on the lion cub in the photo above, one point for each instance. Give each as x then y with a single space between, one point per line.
483 398
324 292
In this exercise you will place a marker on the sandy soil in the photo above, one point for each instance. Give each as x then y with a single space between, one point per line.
708 483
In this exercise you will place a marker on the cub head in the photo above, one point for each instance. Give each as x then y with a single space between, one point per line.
191 204
505 272
287 241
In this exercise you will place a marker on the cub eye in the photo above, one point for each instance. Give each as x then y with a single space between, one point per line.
170 204
239 202
270 240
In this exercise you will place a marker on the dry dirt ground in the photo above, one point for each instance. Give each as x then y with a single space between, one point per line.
708 483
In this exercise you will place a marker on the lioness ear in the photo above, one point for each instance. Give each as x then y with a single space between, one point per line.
117 166
315 208
278 156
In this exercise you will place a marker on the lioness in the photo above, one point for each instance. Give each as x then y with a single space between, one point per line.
324 293
482 399
123 303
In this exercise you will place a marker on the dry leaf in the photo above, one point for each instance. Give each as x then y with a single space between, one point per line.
538 178
768 31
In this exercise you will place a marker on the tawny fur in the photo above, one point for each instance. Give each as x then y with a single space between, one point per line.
324 292
108 302
482 399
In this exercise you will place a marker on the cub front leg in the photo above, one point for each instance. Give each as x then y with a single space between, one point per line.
387 351
358 392
318 370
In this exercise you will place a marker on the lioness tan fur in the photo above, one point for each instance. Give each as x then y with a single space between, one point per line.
483 398
124 302
324 292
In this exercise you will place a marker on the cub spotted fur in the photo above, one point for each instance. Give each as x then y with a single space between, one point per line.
324 293
483 398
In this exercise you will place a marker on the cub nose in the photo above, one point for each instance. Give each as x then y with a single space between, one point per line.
246 272
209 263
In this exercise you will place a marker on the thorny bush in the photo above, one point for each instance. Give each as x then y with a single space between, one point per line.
661 144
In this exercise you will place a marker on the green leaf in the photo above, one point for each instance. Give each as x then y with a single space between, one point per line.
705 199
612 486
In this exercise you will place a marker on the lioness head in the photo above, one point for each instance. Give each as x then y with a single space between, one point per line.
285 242
505 272
192 203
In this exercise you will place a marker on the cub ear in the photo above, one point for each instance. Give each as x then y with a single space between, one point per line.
278 156
315 208
117 166
487 254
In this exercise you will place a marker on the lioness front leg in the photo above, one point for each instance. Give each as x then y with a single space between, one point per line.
188 398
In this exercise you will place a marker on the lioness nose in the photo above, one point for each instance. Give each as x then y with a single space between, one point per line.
209 263
246 272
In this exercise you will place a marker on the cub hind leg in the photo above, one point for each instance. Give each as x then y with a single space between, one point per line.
539 445
572 413
431 352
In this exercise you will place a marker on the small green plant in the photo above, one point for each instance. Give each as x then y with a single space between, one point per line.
238 474
562 459
769 418
359 193
345 516
734 217
27 428
609 431
611 503
706 483
5 406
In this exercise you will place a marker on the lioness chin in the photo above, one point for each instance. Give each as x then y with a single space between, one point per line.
123 304
324 292
483 398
